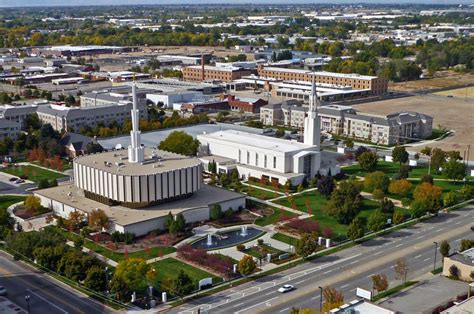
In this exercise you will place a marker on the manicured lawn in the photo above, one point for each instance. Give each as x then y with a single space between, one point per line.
117 256
34 173
259 193
274 217
317 202
285 238
390 169
7 200
168 268
436 133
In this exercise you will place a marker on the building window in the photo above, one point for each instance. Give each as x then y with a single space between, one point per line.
274 162
265 161
248 158
256 159
240 155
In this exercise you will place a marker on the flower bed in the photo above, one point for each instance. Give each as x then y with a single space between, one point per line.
216 262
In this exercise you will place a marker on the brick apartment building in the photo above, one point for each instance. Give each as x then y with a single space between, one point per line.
226 74
377 85
246 104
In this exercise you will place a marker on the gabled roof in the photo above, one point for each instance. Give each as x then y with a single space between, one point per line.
78 141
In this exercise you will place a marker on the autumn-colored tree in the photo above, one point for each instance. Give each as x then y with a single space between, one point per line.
400 187
428 196
75 218
380 282
246 265
401 268
332 298
32 203
98 220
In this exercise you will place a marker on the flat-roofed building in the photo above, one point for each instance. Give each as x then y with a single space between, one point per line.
376 85
73 119
463 261
226 74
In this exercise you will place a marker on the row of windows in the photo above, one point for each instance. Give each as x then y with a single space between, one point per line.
265 159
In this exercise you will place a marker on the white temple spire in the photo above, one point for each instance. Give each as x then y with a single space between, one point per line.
136 152
312 128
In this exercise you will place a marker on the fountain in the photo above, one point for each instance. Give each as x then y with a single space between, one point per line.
243 231
209 239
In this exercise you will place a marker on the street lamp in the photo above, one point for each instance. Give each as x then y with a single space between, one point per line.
27 299
320 299
436 249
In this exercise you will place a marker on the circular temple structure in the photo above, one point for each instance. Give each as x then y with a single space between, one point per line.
161 177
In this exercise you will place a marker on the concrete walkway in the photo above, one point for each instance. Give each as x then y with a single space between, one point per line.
97 255
370 196
262 188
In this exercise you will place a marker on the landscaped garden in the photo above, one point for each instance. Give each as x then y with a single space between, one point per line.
8 200
389 168
32 173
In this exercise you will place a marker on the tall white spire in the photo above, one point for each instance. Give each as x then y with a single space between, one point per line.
136 152
312 128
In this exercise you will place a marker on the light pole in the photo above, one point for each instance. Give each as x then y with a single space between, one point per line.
27 299
320 299
436 249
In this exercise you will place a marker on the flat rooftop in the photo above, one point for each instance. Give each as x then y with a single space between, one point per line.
321 73
259 141
70 195
117 162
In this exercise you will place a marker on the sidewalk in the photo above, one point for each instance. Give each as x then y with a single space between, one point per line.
370 196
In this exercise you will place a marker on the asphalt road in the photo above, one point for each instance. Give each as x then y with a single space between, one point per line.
344 270
46 295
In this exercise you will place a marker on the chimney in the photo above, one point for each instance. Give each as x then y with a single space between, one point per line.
203 74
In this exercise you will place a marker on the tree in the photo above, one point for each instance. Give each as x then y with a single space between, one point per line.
183 284
32 203
444 248
401 268
378 194
78 243
355 229
400 187
349 143
326 186
93 148
345 202
180 142
376 221
386 205
400 154
467 192
132 272
404 172
96 279
398 217
306 245
454 170
359 151
451 198
454 271
246 265
368 161
98 220
376 180
380 282
43 184
215 212
333 298
75 218
466 244
427 178
180 223
428 196
438 158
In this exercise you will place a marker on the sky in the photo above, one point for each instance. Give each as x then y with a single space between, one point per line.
22 3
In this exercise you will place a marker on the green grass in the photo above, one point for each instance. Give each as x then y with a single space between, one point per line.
8 200
436 133
317 202
34 174
117 256
393 290
285 238
390 169
168 268
274 217
259 193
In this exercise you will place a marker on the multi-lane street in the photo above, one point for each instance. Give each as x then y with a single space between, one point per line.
46 295
344 270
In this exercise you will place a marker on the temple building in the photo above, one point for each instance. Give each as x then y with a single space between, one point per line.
138 187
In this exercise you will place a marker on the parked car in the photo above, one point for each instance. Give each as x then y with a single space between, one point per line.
12 179
3 290
285 288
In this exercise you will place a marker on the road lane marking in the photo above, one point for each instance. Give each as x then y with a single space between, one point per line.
418 256
284 310
345 286
379 252
240 304
314 298
255 305
420 237
459 222
354 289
457 240
299 282
426 259
271 292
399 245
45 300
327 272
